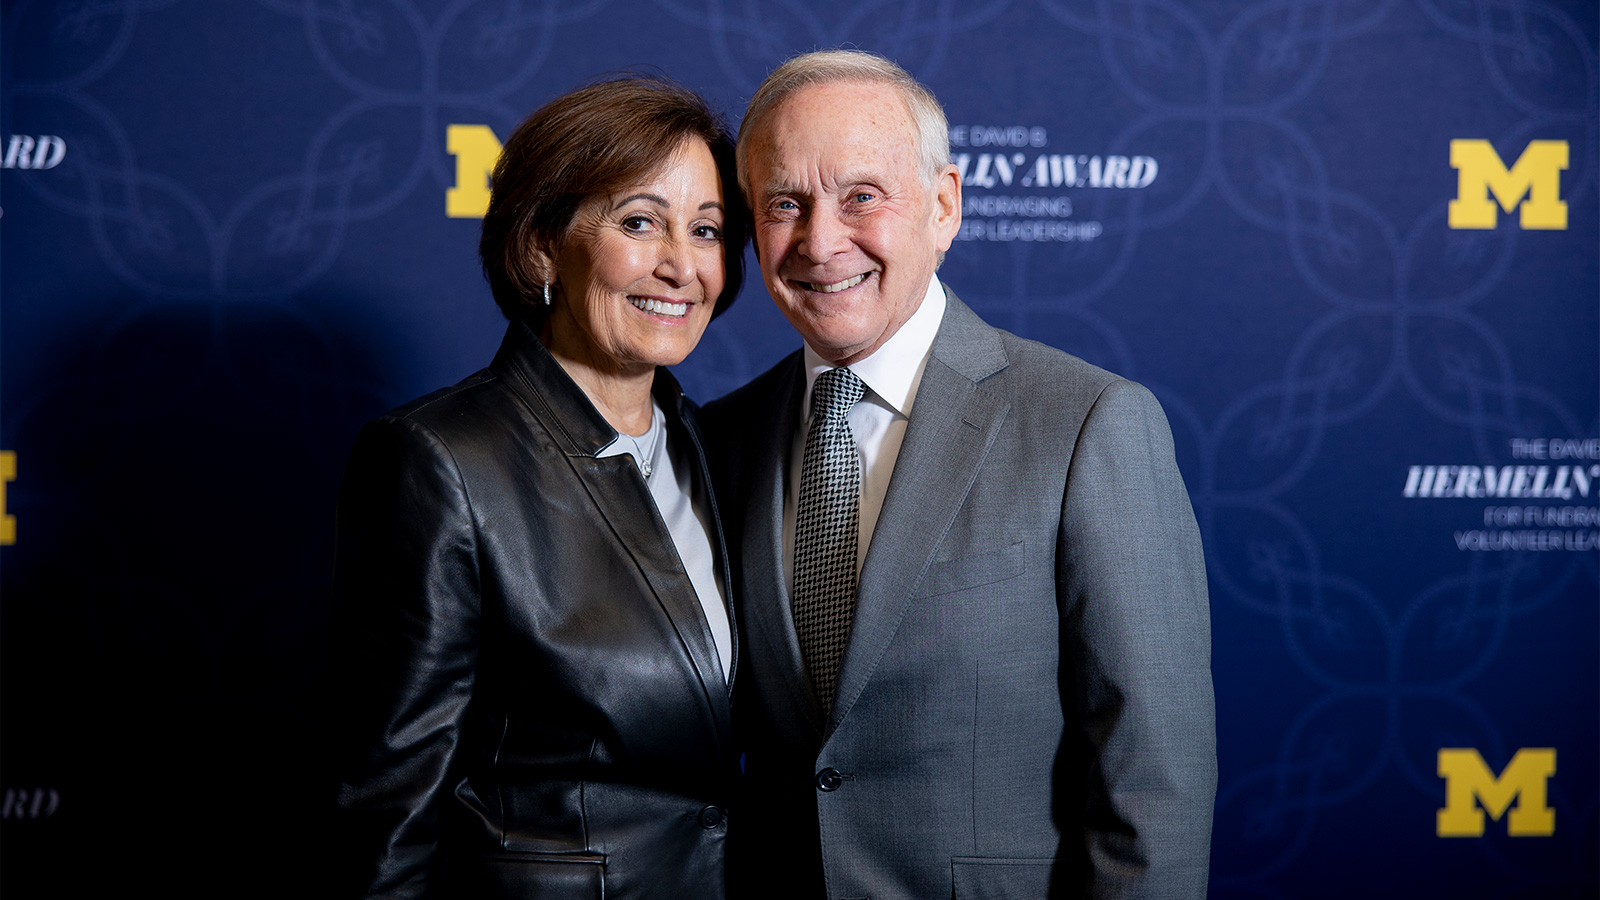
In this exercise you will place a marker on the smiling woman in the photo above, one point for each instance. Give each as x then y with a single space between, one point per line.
637 275
538 651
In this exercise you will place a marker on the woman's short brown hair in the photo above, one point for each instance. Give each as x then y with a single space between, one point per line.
587 143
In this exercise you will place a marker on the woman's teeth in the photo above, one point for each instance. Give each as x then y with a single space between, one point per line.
660 307
838 286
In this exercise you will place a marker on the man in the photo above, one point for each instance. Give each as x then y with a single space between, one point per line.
1014 700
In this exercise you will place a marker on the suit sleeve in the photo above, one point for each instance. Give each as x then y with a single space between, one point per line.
1136 634
406 587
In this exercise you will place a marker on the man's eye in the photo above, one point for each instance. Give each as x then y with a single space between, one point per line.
864 197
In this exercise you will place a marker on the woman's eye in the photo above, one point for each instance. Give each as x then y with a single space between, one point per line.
636 223
863 197
708 232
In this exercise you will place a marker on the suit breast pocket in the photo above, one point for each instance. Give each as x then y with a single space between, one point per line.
979 878
974 570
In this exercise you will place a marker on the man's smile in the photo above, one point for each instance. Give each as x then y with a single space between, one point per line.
835 287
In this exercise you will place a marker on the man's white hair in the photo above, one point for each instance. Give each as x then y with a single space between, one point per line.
852 66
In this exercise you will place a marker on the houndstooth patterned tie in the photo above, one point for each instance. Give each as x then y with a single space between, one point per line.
825 528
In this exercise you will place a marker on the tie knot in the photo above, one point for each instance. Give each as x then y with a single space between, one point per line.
835 392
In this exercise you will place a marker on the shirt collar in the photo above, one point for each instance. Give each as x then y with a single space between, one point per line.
894 370
644 443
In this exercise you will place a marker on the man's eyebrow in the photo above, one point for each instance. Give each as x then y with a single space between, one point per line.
777 187
847 180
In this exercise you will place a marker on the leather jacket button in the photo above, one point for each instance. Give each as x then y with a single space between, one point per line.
710 817
829 779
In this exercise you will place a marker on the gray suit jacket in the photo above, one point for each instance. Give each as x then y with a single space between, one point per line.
1024 708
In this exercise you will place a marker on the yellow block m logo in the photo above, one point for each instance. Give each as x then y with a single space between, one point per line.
1536 175
1467 778
8 472
475 148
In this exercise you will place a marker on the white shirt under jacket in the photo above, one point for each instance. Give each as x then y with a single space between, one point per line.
878 421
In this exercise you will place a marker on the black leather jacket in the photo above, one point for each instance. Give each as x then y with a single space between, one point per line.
532 704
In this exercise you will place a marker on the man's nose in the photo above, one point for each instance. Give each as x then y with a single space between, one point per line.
825 236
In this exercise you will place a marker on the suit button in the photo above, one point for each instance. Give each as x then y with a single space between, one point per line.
710 817
829 779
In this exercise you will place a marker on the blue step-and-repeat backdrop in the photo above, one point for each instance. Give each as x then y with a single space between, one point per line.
1351 245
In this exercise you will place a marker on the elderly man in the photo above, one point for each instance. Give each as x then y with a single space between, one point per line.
973 596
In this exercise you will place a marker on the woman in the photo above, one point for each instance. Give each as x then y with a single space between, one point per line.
529 569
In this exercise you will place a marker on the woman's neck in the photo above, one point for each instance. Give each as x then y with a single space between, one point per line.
620 392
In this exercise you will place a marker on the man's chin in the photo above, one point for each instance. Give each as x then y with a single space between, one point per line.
839 347
835 336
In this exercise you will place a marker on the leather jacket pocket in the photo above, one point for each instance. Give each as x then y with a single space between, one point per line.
530 876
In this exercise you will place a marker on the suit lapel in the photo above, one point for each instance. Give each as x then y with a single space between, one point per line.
768 617
953 425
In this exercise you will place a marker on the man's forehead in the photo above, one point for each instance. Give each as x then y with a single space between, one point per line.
869 104
839 133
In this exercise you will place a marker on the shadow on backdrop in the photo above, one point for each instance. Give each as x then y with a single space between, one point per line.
161 636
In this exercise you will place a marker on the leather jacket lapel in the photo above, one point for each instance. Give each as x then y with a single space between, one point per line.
621 496
620 493
695 438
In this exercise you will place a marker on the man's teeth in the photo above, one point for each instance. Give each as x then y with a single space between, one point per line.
660 307
838 286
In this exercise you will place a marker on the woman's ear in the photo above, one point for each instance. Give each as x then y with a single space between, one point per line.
544 266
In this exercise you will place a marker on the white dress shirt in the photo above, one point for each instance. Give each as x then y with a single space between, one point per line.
878 421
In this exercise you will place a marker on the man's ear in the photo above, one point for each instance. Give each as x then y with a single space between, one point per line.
946 206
